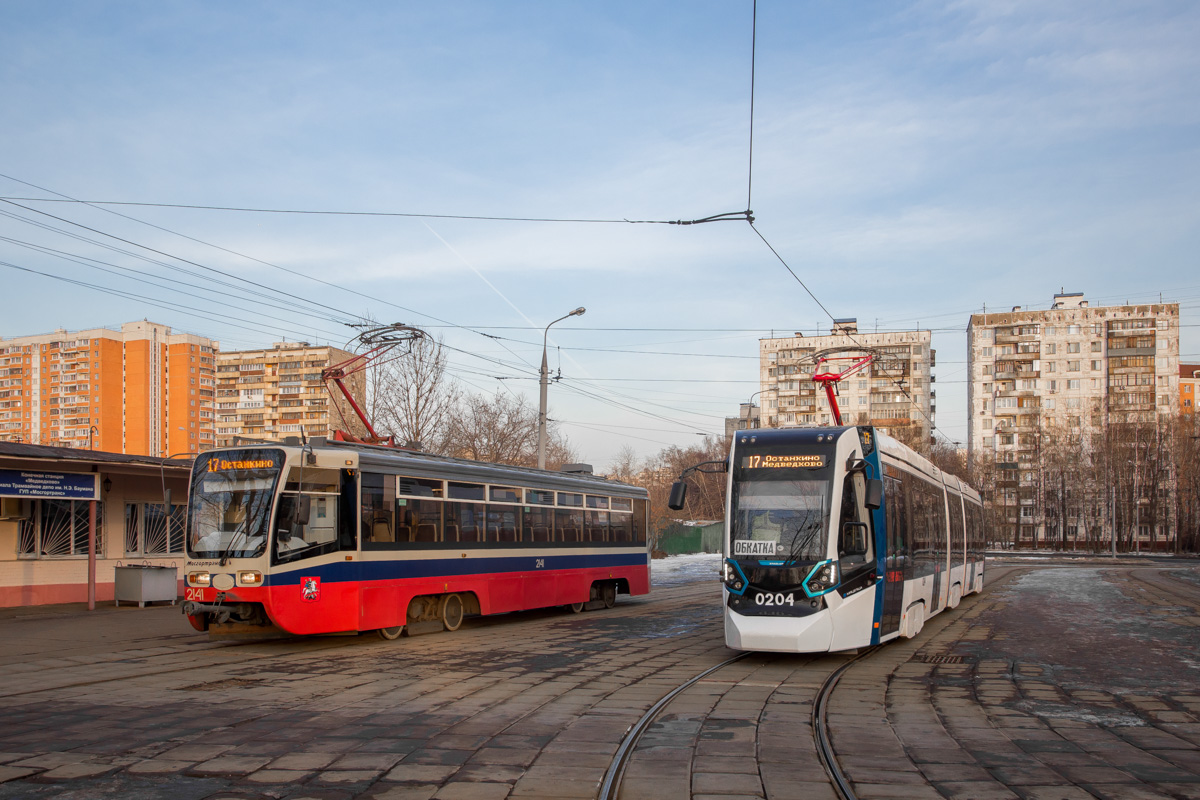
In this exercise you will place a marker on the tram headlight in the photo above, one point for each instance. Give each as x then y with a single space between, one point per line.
249 578
732 577
821 579
199 579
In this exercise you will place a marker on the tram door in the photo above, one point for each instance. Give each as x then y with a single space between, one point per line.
895 552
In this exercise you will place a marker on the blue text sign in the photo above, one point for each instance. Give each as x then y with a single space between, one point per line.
27 483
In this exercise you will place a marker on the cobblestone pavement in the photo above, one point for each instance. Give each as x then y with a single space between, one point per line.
1057 682
530 704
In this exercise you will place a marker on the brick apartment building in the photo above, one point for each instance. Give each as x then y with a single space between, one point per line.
140 390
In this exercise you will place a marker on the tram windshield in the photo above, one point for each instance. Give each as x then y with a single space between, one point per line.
780 512
230 503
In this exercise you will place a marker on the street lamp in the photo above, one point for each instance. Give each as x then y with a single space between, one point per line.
545 374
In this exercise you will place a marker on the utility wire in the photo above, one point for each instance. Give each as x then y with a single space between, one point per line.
730 216
753 60
178 258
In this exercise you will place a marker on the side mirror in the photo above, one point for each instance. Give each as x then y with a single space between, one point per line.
678 496
874 498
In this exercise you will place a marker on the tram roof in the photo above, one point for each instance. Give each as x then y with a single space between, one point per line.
887 444
420 464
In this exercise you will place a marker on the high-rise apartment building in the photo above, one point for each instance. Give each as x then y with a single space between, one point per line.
1189 387
277 392
142 390
895 392
1063 374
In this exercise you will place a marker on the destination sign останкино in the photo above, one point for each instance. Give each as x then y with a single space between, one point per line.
783 461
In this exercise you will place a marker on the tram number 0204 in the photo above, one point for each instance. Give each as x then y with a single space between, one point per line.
775 599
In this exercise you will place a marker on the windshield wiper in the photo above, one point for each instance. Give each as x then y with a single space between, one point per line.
227 553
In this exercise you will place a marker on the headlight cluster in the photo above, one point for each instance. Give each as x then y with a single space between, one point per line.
822 579
199 579
732 577
250 578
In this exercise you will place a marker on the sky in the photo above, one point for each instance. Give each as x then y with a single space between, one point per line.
910 162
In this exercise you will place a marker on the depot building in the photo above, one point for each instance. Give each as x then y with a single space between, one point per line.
69 518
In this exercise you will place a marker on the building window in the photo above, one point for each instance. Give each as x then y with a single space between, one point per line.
59 528
1096 365
1073 384
146 529
1072 366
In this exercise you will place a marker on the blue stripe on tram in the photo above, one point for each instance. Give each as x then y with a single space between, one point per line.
396 569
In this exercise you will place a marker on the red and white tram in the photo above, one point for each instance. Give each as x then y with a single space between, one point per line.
334 537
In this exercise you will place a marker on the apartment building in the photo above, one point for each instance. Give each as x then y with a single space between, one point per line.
748 418
140 390
276 392
1064 372
1189 387
895 392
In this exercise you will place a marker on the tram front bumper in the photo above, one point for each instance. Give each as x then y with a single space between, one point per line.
810 634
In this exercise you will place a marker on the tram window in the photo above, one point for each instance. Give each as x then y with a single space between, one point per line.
622 504
597 526
897 525
596 502
464 522
568 499
378 501
418 520
502 494
568 524
465 491
315 514
854 541
956 525
418 487
640 521
538 523
620 527
503 524
539 497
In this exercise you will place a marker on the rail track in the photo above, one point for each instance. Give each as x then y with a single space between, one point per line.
610 787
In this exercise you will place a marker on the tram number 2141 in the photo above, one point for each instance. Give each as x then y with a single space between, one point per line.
774 599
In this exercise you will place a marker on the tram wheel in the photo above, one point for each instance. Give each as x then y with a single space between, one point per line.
390 634
575 608
608 593
450 610
955 596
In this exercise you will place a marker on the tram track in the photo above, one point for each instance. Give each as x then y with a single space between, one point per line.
610 787
825 752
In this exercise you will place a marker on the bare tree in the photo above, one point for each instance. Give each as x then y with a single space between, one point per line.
503 429
625 465
413 399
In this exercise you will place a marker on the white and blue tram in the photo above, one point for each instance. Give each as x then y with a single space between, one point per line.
840 538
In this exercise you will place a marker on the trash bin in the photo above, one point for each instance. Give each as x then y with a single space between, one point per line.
144 583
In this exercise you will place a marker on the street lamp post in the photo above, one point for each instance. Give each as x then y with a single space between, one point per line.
545 375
